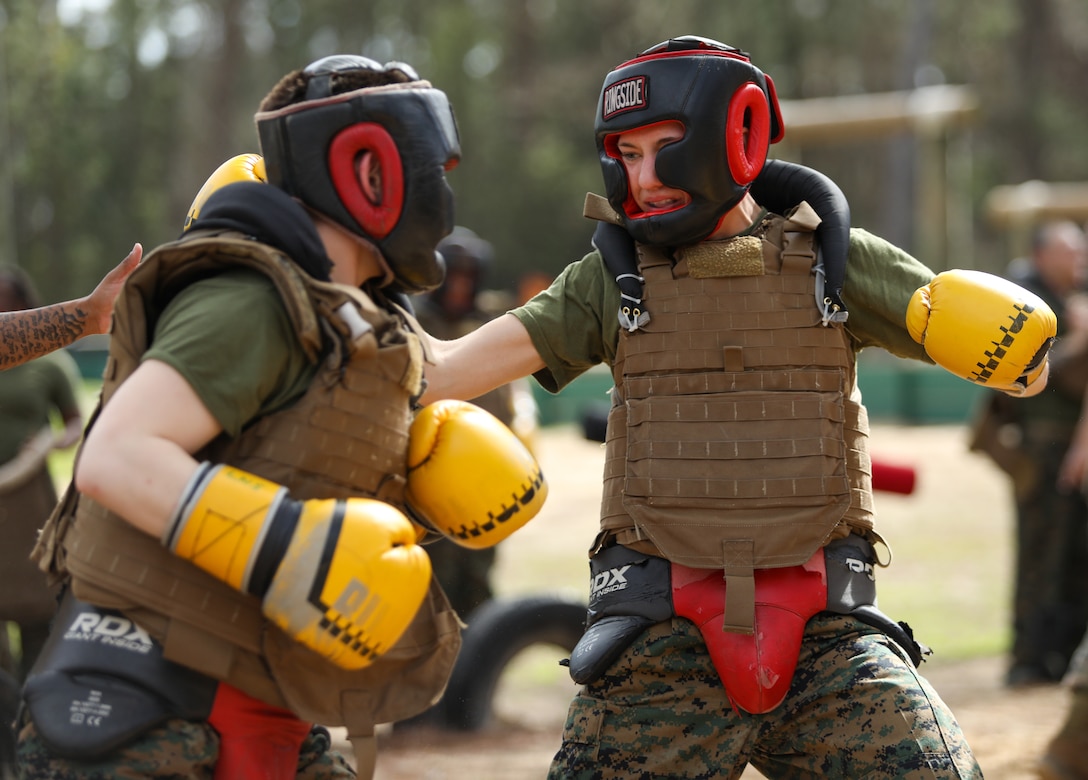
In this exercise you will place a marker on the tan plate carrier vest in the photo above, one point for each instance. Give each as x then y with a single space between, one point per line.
347 436
736 439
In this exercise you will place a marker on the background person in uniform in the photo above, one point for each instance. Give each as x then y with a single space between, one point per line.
31 396
1066 755
458 306
1029 437
733 616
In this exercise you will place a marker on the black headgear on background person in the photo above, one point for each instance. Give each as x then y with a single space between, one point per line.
311 151
464 249
467 258
716 92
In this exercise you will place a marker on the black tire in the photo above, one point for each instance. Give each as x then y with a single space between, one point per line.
497 631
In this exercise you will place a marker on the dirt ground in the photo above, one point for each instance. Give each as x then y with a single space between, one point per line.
1007 729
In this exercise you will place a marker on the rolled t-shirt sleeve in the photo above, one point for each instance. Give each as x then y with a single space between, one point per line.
573 324
880 280
232 340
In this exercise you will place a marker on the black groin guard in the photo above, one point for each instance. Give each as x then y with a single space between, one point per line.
851 590
629 591
101 681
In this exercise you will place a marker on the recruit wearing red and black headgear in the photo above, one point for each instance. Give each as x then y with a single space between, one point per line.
716 92
311 148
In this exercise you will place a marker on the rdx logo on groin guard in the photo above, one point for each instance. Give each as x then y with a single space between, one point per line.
860 567
608 581
111 630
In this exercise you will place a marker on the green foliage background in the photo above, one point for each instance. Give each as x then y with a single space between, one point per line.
112 112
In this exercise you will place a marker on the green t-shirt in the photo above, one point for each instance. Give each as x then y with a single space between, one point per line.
231 338
573 323
30 394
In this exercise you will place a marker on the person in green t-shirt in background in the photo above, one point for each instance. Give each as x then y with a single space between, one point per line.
31 395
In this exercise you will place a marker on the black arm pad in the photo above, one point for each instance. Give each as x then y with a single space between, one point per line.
782 185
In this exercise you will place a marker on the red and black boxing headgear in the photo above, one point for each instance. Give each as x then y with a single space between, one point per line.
310 151
716 92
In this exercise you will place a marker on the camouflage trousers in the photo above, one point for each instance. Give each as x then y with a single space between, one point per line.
176 750
857 708
1050 595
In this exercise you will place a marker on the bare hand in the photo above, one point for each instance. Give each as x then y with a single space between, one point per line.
100 301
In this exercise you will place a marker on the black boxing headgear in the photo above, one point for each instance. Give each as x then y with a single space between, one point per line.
464 249
311 150
716 92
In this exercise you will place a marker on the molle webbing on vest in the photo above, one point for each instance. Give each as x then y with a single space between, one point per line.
221 633
347 435
106 556
316 445
734 442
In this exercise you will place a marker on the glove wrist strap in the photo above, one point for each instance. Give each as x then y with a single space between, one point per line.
279 531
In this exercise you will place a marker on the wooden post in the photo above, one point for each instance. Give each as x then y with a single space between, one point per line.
929 113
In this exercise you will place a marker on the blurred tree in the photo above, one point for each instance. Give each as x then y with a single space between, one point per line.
112 112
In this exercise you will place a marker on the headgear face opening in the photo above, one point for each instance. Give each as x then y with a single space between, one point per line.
312 150
730 115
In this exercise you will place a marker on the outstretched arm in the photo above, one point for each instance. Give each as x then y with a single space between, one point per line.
31 333
498 352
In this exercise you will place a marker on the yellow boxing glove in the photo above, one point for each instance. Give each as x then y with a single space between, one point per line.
342 577
984 329
469 477
243 167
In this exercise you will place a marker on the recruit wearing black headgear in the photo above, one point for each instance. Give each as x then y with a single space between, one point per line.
730 115
464 248
311 149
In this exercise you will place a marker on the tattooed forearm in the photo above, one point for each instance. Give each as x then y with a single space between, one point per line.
31 333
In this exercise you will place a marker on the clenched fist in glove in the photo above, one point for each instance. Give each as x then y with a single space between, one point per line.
469 477
984 329
342 577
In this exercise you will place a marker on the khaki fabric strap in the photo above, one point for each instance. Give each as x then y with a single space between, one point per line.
740 586
599 208
365 747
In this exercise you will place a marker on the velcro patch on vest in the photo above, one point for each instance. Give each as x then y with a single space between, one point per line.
740 256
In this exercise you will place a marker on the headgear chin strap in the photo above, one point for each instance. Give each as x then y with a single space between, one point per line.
716 92
312 149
